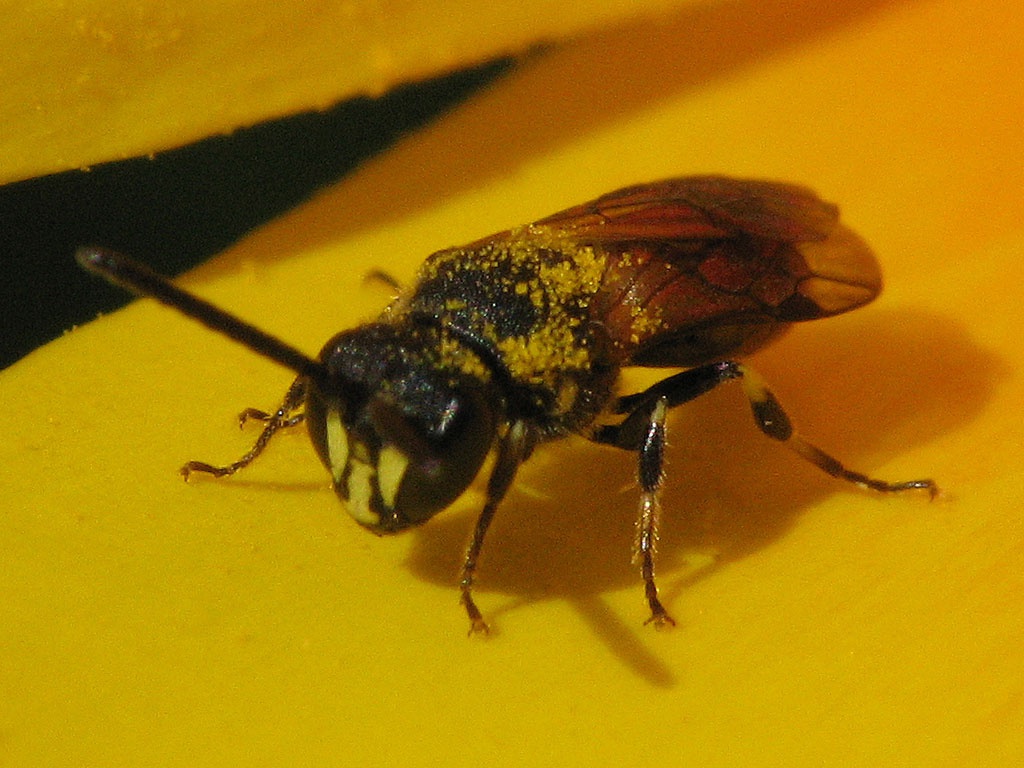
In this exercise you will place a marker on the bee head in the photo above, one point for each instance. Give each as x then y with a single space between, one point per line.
401 434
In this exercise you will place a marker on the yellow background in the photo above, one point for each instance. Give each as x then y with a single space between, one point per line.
249 622
92 80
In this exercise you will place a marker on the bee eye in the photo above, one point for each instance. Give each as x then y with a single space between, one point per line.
420 472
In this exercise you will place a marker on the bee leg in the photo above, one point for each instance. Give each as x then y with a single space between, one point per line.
651 475
643 430
768 415
384 278
513 448
255 414
773 421
281 418
675 390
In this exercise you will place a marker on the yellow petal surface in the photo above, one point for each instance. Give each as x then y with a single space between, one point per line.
249 622
93 80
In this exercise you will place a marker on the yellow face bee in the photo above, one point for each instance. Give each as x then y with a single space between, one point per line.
519 338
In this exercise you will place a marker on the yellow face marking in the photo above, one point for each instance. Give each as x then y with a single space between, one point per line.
753 386
391 466
337 444
360 491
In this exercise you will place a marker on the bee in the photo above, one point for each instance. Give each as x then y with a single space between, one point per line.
519 338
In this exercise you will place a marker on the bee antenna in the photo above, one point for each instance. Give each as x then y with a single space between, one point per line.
127 273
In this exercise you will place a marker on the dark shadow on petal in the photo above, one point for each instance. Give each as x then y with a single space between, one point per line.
865 389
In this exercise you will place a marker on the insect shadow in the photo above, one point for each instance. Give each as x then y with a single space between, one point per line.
865 389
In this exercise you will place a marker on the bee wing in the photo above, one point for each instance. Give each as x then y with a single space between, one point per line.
707 267
699 208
